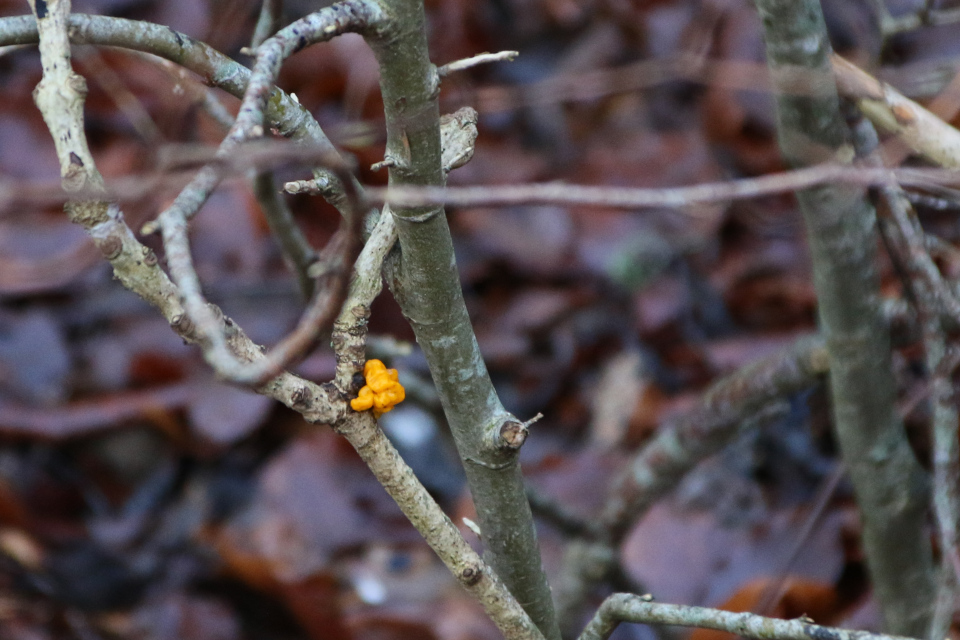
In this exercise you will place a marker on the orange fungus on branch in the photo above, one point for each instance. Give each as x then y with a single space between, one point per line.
382 391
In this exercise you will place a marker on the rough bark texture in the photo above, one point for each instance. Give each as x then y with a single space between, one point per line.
841 224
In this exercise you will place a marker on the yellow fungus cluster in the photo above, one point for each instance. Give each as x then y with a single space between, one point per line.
382 390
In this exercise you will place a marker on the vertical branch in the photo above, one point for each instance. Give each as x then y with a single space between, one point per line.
296 249
60 96
887 479
430 296
933 298
268 23
946 454
361 430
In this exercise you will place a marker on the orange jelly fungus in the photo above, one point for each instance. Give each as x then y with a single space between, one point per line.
382 391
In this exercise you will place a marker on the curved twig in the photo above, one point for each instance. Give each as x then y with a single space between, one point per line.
284 113
338 257
317 27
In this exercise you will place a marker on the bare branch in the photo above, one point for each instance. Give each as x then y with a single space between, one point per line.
920 130
397 478
841 226
625 607
134 264
473 574
268 23
297 251
684 198
477 60
60 96
932 297
639 198
350 328
432 301
317 27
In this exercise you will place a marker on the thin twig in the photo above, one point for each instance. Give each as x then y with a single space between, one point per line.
684 199
297 251
638 198
317 27
268 22
135 265
477 60
625 607
350 328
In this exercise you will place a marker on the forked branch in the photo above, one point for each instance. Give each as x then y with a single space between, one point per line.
137 268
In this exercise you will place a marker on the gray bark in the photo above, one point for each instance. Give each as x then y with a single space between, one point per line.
429 294
841 224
